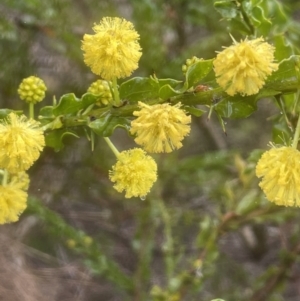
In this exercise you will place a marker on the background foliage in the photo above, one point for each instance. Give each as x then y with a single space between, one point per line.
206 230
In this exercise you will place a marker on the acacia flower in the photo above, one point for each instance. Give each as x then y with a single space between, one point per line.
160 128
21 142
134 172
32 89
243 67
13 200
113 51
279 169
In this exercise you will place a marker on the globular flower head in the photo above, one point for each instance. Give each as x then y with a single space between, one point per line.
21 142
243 67
135 172
160 128
101 89
113 51
32 89
279 169
13 199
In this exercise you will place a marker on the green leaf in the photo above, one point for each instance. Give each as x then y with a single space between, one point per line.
283 48
227 8
68 104
260 21
5 112
236 106
139 89
46 111
87 99
106 125
54 138
167 91
287 78
169 81
194 111
198 72
248 203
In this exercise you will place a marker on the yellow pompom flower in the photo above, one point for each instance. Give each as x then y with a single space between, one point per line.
279 169
135 172
243 67
113 51
160 128
21 142
13 201
32 89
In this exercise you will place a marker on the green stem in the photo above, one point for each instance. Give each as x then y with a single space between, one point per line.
117 100
297 133
112 147
31 110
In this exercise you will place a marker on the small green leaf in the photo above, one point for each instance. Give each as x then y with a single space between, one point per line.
167 91
287 78
116 122
236 106
248 203
68 104
260 20
99 125
283 48
54 138
139 89
194 111
227 8
106 125
5 112
46 111
169 81
198 72
87 99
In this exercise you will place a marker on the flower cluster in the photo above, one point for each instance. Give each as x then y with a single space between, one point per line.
279 169
101 89
113 51
32 89
160 128
243 67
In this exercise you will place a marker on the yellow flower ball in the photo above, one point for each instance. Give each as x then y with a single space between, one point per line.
279 169
160 128
21 142
32 89
135 172
13 201
243 67
101 88
113 51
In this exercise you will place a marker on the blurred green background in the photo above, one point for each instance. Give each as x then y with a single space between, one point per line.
204 232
